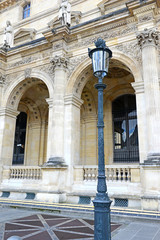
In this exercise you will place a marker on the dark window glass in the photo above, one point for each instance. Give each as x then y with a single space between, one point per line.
125 129
26 11
19 141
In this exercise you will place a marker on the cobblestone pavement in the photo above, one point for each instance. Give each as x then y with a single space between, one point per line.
35 225
45 226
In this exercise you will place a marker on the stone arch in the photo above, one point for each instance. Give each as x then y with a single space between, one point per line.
33 109
112 95
17 88
78 78
90 106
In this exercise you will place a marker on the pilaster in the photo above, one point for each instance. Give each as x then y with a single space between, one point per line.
141 118
72 134
7 133
89 140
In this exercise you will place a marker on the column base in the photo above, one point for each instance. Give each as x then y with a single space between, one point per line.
55 161
152 159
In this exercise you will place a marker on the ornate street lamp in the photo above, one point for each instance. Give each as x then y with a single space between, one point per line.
100 61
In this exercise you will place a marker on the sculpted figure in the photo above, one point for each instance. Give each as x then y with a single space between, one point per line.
65 13
8 35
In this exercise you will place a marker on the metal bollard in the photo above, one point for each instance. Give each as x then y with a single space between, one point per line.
14 238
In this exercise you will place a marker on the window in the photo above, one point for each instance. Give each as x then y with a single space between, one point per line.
125 129
20 137
26 11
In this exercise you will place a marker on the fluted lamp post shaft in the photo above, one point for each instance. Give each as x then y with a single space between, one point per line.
100 61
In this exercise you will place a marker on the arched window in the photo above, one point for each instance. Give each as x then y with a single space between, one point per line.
26 11
19 140
125 129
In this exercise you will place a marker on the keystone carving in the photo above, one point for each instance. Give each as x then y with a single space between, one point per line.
27 72
148 36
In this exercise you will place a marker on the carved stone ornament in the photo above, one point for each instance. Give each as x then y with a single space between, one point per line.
27 72
148 36
74 62
2 78
131 49
59 61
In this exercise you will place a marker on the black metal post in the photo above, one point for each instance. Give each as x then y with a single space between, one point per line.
102 226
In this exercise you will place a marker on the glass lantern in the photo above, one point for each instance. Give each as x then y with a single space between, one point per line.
100 58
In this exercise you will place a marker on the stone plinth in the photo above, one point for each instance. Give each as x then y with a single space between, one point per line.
54 178
150 175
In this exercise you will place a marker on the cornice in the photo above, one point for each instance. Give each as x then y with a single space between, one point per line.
137 5
146 8
106 5
6 3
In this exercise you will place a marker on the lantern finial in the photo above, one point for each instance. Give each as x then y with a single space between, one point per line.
100 43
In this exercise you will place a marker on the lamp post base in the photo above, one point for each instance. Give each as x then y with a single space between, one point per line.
102 224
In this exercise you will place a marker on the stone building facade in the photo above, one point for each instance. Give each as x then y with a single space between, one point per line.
48 103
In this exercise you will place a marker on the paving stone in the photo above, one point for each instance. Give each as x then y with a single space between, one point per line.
32 225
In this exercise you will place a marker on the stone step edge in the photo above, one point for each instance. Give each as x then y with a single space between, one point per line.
79 208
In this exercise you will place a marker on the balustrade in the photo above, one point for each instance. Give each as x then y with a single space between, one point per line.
25 173
113 173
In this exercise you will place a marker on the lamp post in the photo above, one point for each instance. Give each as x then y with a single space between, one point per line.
100 61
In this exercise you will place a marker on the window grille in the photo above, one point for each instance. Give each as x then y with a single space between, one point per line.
30 196
120 202
5 194
84 200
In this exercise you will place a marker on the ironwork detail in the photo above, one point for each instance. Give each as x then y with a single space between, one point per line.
84 200
119 202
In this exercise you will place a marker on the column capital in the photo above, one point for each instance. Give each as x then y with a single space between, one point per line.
9 112
148 37
59 61
138 87
73 100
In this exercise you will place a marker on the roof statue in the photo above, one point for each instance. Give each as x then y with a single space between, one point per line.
8 35
65 13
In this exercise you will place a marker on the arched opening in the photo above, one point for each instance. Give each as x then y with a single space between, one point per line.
125 129
30 143
118 83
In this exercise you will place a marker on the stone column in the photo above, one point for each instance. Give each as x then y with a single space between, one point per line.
7 133
56 121
72 135
148 41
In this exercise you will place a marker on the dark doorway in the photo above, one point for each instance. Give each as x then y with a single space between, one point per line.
125 129
19 140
